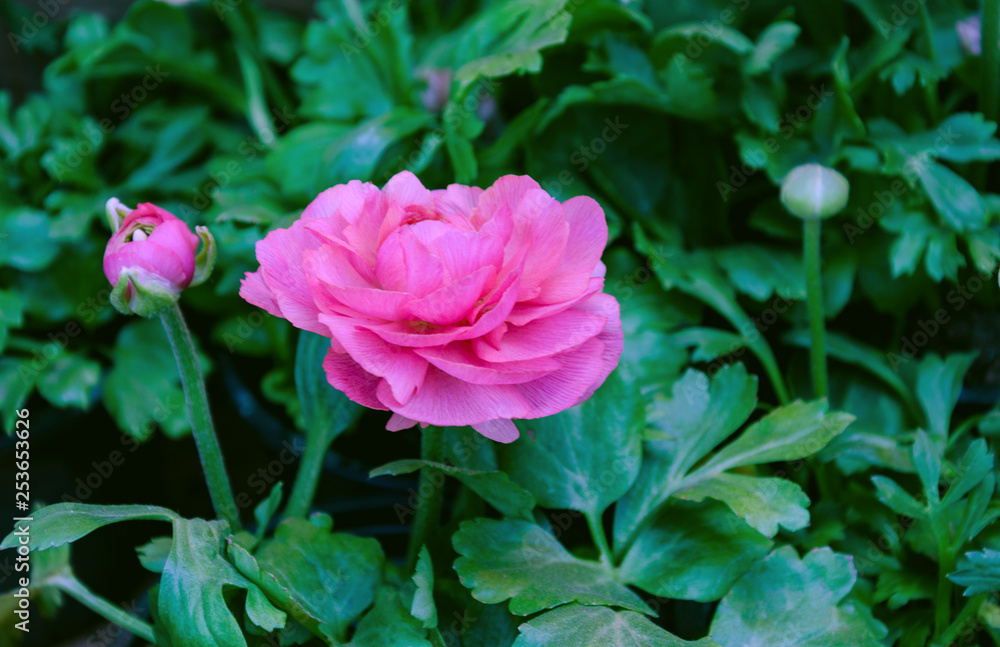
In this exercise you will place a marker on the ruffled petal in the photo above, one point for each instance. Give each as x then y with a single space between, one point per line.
588 235
543 337
500 430
281 261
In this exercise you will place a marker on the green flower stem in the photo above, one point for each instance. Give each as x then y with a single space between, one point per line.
430 495
73 587
200 416
600 539
990 99
814 293
307 479
942 600
966 616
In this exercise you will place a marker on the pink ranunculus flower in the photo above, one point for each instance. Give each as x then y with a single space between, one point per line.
151 258
450 307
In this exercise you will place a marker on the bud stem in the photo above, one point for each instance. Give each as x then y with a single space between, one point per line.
811 230
200 416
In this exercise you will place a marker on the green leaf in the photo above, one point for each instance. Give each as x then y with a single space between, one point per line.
939 383
927 462
17 380
577 626
897 499
979 572
584 458
785 601
957 202
155 400
191 603
786 434
71 380
699 415
266 510
495 488
389 624
764 503
692 552
760 271
325 410
153 556
974 466
26 243
333 576
62 523
519 561
423 608
774 41
507 39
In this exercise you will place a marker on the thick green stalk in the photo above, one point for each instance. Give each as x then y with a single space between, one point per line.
942 600
990 99
430 495
200 416
78 591
307 479
814 294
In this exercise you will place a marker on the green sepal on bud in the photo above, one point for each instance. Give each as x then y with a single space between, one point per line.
204 262
814 192
142 293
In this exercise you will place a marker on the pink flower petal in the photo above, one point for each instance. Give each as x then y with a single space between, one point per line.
588 235
452 302
399 423
402 369
543 337
255 291
500 430
346 375
458 360
280 256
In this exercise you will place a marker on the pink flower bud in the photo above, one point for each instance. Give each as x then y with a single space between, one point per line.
151 258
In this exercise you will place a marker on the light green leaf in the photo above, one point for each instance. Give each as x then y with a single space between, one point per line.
774 41
332 576
584 458
760 272
578 626
519 561
957 201
423 607
266 509
897 499
979 572
191 604
508 38
62 523
939 383
692 552
786 434
699 415
389 624
763 502
153 555
785 601
495 488
71 380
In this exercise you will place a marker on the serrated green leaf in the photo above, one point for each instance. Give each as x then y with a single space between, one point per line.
519 561
191 604
763 502
578 626
785 601
584 458
423 608
692 552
